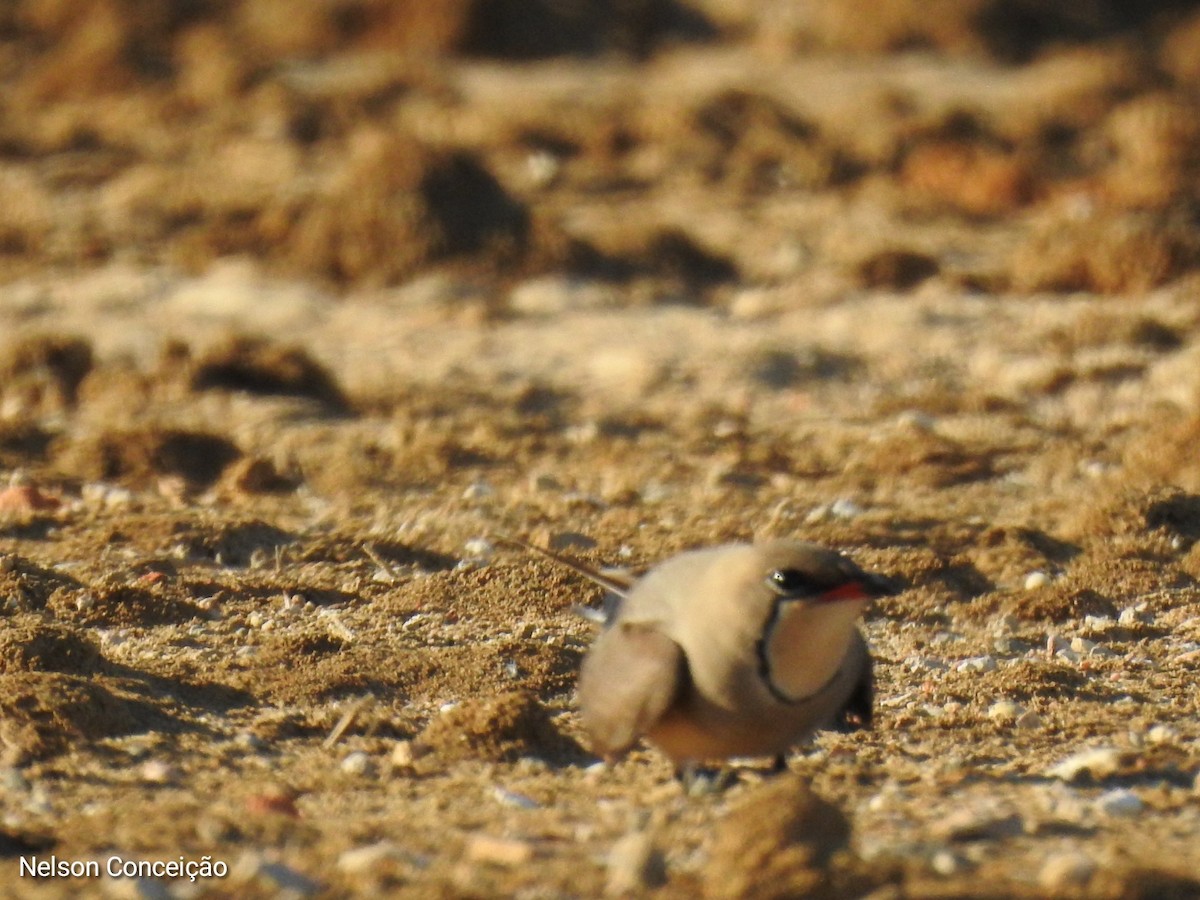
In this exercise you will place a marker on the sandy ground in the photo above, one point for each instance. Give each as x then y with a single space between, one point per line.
300 311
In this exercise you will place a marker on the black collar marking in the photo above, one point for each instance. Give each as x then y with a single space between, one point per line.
764 664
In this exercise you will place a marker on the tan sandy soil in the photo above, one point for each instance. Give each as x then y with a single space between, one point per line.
303 305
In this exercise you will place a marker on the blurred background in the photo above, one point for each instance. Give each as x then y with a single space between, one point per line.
361 142
303 301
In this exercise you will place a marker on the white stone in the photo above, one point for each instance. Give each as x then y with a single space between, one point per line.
1132 615
159 771
479 549
1120 802
946 862
1082 646
402 755
1035 580
977 664
478 490
357 763
483 848
513 799
1099 762
1005 710
845 508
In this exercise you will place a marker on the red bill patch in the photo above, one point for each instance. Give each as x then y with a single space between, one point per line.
852 591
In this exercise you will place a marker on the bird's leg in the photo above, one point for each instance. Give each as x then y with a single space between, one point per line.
697 780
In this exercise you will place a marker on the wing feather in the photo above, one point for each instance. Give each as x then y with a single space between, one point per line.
631 676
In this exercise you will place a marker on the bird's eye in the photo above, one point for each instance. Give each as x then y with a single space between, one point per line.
792 583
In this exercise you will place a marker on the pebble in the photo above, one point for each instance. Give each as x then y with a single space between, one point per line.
402 755
1029 719
1085 647
1162 734
525 631
845 508
514 799
478 490
601 768
358 860
1133 615
879 802
210 606
27 499
1007 624
628 372
553 295
634 865
159 771
482 848
11 779
1005 711
1035 580
583 433
924 664
977 664
413 621
479 549
916 420
542 167
1066 870
106 495
1055 643
817 515
1099 762
358 763
655 492
1060 647
1120 802
273 800
946 862
753 303
1011 646
248 740
291 604
114 638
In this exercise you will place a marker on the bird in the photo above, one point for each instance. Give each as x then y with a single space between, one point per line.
740 650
